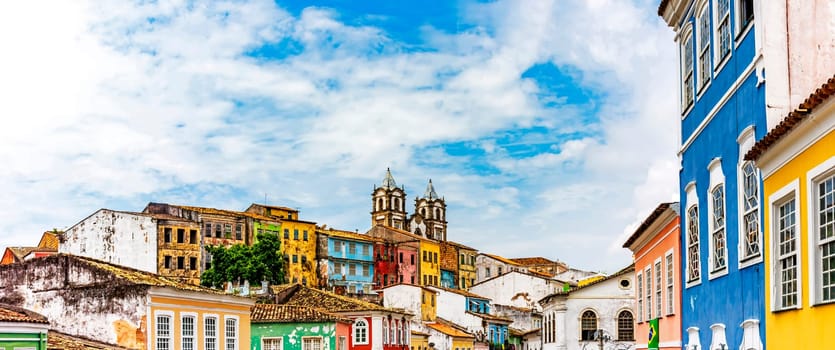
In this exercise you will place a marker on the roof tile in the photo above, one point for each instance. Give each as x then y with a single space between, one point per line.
274 313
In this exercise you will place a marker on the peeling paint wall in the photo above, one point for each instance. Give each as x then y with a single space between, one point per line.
104 311
122 238
179 250
517 289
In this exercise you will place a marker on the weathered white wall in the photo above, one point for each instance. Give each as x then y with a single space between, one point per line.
127 239
606 299
798 51
482 262
405 297
517 289
441 341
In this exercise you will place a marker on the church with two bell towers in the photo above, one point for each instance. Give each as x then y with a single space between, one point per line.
389 209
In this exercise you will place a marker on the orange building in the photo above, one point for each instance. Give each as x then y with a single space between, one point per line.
655 246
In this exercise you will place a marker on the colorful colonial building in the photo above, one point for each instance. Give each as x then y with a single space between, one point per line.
722 113
22 329
656 246
349 260
298 243
284 327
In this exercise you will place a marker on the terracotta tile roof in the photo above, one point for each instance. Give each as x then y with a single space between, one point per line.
414 332
449 330
298 295
257 216
818 97
348 234
404 235
204 210
165 216
647 222
49 240
461 246
20 252
276 207
537 260
491 317
62 341
274 313
460 292
10 313
502 259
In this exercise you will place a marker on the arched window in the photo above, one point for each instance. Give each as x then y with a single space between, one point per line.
385 331
399 204
360 331
423 212
437 213
626 326
379 204
588 325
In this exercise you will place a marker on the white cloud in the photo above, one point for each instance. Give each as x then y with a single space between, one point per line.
115 104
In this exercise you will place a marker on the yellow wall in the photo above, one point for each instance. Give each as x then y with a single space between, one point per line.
181 306
462 344
428 305
419 342
807 327
467 269
432 268
299 247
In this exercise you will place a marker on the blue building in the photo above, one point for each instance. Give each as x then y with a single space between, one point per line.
723 112
448 279
350 261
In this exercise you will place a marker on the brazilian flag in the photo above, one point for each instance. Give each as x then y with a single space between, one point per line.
653 334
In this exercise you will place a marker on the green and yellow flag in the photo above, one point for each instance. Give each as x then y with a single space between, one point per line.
653 334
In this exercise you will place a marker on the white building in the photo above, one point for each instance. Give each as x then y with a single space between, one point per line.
118 237
581 317
490 265
517 289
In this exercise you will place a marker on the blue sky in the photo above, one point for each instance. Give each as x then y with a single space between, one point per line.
548 126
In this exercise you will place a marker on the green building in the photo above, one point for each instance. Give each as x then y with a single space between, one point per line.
22 329
284 327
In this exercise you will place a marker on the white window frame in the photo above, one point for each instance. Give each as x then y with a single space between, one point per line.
686 70
670 275
205 337
171 323
703 83
319 338
813 177
385 332
658 280
280 342
640 295
692 203
649 291
741 31
789 192
355 328
717 182
195 324
236 335
718 59
746 142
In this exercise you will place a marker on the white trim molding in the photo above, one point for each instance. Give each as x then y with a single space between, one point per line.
819 172
791 191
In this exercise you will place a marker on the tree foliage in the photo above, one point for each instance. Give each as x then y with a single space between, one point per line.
260 262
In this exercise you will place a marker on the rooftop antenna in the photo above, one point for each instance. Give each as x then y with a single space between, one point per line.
265 198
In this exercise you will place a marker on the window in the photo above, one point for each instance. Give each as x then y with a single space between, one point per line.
648 294
286 233
271 343
210 333
461 259
163 332
337 246
640 296
218 230
723 28
703 34
181 235
686 70
227 231
588 324
366 271
296 234
824 214
626 326
360 332
231 334
192 263
187 332
658 289
385 331
486 272
239 232
366 251
304 259
352 248
192 236
295 258
304 235
719 262
341 343
424 256
499 269
750 214
693 244
208 230
435 257
401 257
166 234
744 14
412 257
352 269
167 262
181 263
786 276
670 280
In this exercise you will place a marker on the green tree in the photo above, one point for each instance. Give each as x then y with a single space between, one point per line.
259 262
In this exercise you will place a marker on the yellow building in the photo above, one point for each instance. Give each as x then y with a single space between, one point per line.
797 160
298 243
428 304
466 265
430 267
451 338
419 341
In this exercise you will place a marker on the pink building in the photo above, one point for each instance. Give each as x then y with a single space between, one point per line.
656 247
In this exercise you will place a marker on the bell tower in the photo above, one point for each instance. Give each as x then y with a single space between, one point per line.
433 211
389 204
